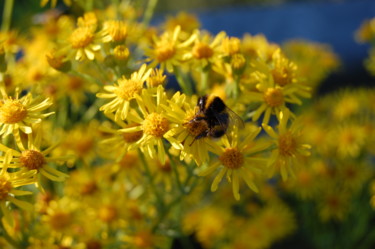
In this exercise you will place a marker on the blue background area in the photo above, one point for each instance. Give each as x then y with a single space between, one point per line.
332 23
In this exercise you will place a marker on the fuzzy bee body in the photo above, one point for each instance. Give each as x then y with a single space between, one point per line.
215 115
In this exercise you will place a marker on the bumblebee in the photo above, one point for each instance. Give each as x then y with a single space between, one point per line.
212 117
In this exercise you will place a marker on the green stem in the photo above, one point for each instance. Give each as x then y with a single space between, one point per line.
185 84
204 82
149 12
7 15
86 77
177 175
159 199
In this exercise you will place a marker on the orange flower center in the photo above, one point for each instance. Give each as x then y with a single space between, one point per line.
287 144
274 97
127 89
116 30
155 125
12 111
32 159
232 158
81 37
164 52
202 51
108 213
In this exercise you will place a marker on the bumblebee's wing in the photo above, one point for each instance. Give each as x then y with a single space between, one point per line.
235 119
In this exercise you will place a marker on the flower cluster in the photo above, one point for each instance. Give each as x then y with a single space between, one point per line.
118 134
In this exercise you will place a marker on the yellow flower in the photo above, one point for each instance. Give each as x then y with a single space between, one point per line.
275 86
187 22
33 158
168 50
61 215
123 92
114 31
9 181
154 124
206 49
258 46
20 113
289 148
366 33
119 141
239 157
84 39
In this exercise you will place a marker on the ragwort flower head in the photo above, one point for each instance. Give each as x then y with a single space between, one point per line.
83 39
123 92
20 113
154 123
168 50
33 158
239 157
290 148
9 182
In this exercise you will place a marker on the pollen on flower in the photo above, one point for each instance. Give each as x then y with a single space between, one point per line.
155 125
202 51
5 188
165 51
232 158
274 97
81 37
32 159
107 213
12 111
287 144
131 137
128 88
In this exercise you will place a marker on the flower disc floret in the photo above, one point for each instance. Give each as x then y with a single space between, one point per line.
202 51
274 97
128 88
287 144
155 125
12 111
164 52
5 188
81 37
232 158
32 159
